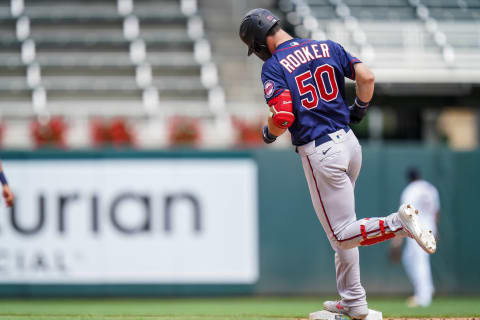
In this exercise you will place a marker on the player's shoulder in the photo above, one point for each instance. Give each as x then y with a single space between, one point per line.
271 64
417 184
306 41
423 186
327 41
334 45
288 47
412 188
428 185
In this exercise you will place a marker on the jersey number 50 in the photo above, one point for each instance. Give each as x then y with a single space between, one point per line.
320 87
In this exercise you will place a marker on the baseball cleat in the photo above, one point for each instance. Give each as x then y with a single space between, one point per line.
409 218
358 312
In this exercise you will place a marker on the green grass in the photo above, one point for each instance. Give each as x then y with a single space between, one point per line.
215 308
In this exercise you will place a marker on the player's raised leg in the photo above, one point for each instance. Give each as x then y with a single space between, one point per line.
331 176
331 189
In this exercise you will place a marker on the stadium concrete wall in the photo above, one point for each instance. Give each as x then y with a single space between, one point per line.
286 248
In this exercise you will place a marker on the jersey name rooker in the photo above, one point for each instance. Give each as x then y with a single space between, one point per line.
304 55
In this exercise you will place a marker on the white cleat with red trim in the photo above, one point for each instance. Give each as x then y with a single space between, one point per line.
359 312
409 218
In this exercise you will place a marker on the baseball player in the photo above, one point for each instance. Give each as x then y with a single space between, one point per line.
304 86
6 191
424 196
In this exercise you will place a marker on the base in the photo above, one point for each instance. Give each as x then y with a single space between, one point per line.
326 315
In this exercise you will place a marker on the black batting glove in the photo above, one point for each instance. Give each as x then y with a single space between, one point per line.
358 110
267 136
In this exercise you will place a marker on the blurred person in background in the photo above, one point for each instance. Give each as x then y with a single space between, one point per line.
6 191
424 196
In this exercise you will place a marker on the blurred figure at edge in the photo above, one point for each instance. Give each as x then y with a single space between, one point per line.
6 191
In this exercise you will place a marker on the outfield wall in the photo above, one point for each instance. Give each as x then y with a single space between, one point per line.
214 222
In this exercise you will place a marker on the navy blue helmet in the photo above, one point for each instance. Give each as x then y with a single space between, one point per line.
254 29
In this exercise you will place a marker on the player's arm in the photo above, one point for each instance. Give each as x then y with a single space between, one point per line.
281 116
6 191
365 82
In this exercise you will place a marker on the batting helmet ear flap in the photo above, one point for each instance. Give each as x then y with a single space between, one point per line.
262 51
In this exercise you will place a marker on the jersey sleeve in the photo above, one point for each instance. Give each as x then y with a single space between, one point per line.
346 60
273 80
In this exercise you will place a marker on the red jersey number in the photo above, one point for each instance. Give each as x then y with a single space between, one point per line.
323 72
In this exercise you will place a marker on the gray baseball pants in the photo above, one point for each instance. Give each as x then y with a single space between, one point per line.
331 169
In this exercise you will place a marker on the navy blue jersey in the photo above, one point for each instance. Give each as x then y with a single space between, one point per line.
314 72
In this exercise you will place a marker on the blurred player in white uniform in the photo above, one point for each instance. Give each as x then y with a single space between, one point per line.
424 196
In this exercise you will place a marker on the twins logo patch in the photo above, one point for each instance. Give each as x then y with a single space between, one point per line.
268 88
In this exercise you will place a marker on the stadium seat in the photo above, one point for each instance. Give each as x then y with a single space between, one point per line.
84 52
430 34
